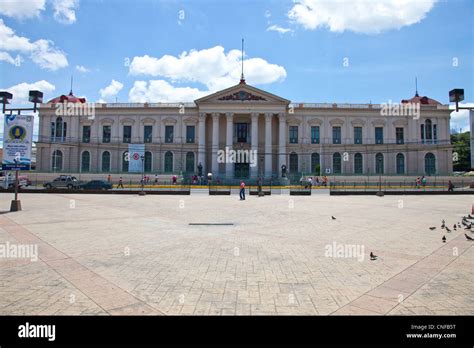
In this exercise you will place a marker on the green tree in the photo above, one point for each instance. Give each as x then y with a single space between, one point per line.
461 151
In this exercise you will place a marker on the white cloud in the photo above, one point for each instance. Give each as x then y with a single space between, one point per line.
279 29
20 91
42 52
460 119
111 90
82 69
211 67
267 14
360 16
64 10
156 91
48 57
21 9
4 56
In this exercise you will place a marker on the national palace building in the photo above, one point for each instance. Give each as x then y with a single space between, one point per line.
331 139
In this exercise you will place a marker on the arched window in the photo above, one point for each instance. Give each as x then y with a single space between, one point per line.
57 163
358 165
59 129
148 160
190 162
168 162
85 161
315 164
106 161
430 163
125 160
336 163
428 129
400 163
379 163
293 163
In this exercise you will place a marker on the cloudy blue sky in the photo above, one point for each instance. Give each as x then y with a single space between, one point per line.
306 50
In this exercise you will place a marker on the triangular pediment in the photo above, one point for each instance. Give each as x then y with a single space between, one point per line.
242 93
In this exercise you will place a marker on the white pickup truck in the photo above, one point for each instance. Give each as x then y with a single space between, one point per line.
8 181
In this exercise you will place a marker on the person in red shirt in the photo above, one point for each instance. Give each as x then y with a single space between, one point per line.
242 190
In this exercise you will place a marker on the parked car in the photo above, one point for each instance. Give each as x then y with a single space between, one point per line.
63 181
9 179
96 185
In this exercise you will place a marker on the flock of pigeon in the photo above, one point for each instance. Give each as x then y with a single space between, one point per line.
466 221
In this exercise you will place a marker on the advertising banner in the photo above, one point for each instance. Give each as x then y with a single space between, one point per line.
17 142
135 151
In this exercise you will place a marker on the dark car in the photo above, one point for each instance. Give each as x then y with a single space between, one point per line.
96 185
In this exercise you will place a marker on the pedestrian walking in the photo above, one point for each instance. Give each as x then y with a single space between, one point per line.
242 190
120 183
450 186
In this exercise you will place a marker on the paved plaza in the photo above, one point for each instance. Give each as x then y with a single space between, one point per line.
276 255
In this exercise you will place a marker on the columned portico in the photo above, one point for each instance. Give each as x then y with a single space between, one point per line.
202 141
254 145
229 167
282 142
268 144
215 142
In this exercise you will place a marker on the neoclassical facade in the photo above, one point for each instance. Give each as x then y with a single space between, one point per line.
332 139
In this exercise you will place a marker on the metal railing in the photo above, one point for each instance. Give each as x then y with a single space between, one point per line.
400 186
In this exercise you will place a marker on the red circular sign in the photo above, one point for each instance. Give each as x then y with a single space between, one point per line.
136 156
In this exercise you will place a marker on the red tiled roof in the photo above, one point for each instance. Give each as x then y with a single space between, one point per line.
70 98
422 100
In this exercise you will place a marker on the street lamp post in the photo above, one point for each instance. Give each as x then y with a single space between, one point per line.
260 189
142 192
36 97
380 193
455 96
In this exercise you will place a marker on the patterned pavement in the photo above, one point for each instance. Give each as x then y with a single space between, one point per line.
107 254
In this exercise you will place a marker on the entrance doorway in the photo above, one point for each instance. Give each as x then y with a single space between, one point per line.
242 170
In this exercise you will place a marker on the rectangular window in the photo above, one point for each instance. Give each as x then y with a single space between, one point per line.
127 134
422 133
315 135
357 135
399 135
190 134
169 134
241 130
86 134
106 132
379 135
435 134
148 134
293 134
336 135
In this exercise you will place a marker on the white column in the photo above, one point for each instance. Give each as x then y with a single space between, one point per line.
215 143
229 167
268 144
254 144
202 142
282 143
